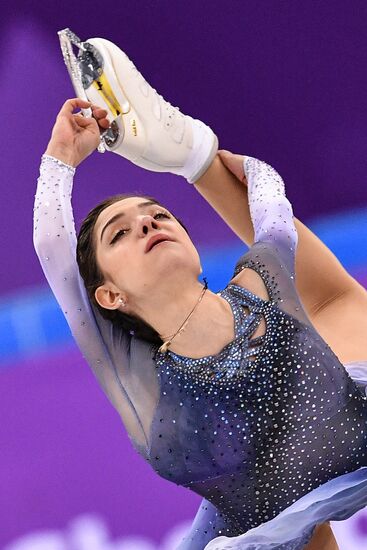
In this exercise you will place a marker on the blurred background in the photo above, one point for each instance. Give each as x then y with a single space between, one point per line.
281 80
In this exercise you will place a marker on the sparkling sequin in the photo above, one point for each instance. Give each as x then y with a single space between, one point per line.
253 428
271 427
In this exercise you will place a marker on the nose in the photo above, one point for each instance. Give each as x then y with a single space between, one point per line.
146 224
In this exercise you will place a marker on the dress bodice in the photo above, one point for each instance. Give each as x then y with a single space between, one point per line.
263 413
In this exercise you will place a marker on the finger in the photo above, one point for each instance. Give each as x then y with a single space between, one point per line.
104 123
71 104
99 113
84 122
97 108
234 163
228 154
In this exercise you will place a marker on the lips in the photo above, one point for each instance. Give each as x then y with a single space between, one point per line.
155 240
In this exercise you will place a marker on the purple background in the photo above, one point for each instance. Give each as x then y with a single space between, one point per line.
280 80
284 81
64 453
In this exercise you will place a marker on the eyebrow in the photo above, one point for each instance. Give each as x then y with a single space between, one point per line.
121 214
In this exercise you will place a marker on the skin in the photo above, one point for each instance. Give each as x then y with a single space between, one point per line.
334 301
142 288
164 278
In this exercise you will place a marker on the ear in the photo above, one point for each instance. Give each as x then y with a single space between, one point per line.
108 296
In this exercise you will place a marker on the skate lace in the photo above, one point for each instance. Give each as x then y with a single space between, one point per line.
173 116
168 107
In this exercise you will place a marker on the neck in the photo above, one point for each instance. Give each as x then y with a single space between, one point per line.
209 328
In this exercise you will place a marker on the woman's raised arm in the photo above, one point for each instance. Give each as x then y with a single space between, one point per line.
107 350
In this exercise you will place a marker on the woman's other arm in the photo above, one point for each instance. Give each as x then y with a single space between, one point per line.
320 277
334 301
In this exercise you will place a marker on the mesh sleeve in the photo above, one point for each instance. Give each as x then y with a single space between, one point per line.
111 353
272 255
271 212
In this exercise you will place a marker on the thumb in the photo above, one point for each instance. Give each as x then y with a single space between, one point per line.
234 163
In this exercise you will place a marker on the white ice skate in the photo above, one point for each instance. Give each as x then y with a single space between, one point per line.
145 128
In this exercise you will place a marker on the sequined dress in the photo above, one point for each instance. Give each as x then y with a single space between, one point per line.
271 431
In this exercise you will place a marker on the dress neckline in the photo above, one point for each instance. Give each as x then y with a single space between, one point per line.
247 299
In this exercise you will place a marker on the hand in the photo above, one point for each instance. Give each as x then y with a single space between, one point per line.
234 163
74 137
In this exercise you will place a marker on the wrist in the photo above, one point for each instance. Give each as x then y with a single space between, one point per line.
61 153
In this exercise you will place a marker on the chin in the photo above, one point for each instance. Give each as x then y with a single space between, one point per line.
172 259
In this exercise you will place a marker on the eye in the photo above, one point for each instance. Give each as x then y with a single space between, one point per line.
161 215
119 234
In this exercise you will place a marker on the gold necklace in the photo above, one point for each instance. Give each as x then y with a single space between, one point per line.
164 347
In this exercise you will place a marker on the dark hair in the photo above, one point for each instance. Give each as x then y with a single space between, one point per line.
93 276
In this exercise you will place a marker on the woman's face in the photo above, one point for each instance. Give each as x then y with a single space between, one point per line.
140 245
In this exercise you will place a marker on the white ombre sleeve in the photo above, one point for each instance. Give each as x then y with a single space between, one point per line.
271 212
115 357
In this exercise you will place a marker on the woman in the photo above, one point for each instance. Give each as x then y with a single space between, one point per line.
248 416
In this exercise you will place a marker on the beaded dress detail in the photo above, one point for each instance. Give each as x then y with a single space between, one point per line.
271 431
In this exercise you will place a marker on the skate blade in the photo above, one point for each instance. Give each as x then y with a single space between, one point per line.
89 58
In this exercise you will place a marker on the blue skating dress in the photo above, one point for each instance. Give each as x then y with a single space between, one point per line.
271 431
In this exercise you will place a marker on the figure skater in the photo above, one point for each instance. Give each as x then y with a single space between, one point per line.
238 395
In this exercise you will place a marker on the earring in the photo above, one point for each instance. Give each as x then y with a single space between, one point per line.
122 302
